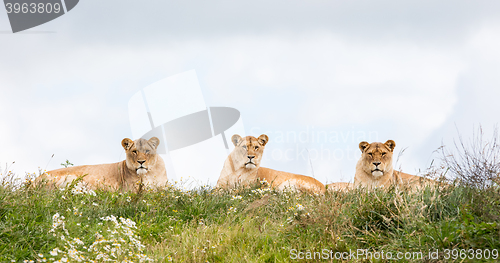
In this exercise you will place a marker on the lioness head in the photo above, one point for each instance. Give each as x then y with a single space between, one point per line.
377 157
248 151
141 154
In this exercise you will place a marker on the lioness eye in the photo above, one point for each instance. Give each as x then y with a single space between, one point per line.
147 151
256 147
370 154
383 154
134 152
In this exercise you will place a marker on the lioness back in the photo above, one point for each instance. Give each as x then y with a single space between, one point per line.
99 174
340 186
282 180
413 180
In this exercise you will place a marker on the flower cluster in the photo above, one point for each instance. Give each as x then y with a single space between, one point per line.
232 210
261 191
236 197
296 210
118 243
80 188
58 221
208 248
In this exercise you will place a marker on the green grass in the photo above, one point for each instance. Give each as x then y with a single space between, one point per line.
248 225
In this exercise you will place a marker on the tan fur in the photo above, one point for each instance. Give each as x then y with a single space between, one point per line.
125 175
375 169
340 186
242 167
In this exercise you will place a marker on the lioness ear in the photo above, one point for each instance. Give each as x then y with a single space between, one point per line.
363 146
127 143
391 144
154 141
236 139
263 139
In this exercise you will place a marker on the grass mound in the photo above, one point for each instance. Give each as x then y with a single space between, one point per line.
243 225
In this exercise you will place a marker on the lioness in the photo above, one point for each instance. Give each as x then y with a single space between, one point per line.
142 166
341 186
242 166
374 168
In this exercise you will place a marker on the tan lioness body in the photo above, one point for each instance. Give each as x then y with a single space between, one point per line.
242 167
340 186
374 168
142 166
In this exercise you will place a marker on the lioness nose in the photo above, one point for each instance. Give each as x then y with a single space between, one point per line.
376 163
251 157
141 162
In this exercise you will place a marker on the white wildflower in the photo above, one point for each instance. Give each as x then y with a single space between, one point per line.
117 241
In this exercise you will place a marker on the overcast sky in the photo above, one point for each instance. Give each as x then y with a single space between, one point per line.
411 71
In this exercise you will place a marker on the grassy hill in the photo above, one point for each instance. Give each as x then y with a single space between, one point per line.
459 222
246 225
